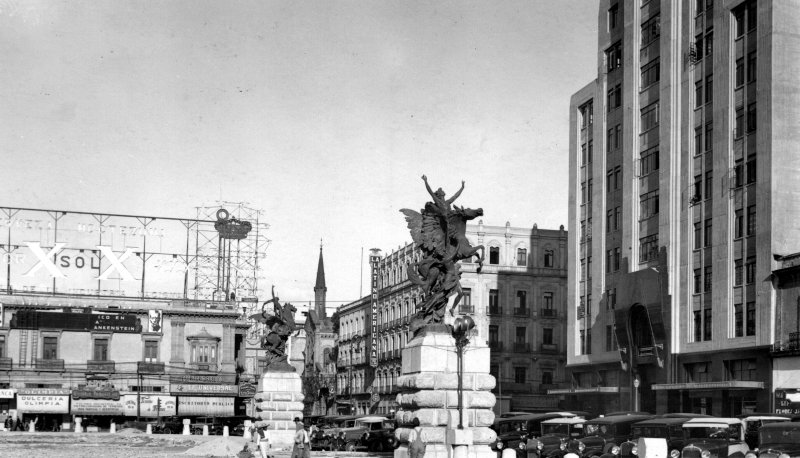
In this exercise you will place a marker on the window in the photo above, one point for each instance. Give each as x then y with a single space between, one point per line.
548 258
520 374
618 177
547 377
50 348
707 324
649 117
466 300
583 154
648 205
151 351
752 69
709 143
494 304
698 188
709 88
742 369
547 336
617 218
697 325
649 161
494 334
698 46
547 303
588 341
698 141
589 190
738 320
707 233
609 260
709 41
738 19
698 236
589 151
610 220
611 301
613 17
698 372
617 256
738 130
738 174
522 256
698 94
614 57
583 343
697 283
101 349
750 270
651 74
751 319
739 78
708 185
614 99
737 272
651 30
751 117
522 300
751 169
648 248
738 224
2 346
707 279
751 220
752 15
583 193
494 255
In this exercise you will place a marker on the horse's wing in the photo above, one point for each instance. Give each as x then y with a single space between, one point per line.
414 221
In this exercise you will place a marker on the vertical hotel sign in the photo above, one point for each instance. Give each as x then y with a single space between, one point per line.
374 260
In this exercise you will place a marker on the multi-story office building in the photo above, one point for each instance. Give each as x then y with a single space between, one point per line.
518 301
683 185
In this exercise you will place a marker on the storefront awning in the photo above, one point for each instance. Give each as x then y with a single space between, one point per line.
592 390
726 385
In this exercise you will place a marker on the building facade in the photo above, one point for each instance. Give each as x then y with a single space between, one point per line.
683 184
518 301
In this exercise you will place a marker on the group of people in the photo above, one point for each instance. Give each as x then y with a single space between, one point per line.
16 424
302 440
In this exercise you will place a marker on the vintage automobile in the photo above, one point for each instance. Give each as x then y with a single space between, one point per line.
328 435
754 422
601 435
215 425
514 430
556 433
667 429
353 438
168 425
713 437
780 439
379 436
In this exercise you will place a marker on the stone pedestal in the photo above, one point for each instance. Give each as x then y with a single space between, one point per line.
429 393
278 401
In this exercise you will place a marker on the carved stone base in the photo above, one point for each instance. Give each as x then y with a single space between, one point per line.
278 401
429 393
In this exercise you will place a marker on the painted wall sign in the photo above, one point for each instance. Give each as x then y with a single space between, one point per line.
7 393
374 259
31 319
787 401
40 391
218 406
148 405
189 378
95 394
247 390
97 407
219 390
35 403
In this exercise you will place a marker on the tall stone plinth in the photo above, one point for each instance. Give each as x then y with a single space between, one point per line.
278 401
429 393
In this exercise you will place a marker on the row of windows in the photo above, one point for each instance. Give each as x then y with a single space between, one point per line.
200 351
521 302
522 256
520 336
736 369
521 375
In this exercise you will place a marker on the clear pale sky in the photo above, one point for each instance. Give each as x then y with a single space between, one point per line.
324 114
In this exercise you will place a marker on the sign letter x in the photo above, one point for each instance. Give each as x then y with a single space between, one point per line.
45 259
116 263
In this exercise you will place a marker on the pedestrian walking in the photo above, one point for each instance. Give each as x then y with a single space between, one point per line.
306 442
416 448
299 439
262 441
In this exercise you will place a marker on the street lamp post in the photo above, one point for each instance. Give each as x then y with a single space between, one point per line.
461 327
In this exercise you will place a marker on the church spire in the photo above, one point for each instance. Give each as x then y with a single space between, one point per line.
319 288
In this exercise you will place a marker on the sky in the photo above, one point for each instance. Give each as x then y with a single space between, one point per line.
322 114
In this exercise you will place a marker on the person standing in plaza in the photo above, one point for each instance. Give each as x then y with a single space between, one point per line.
306 442
299 439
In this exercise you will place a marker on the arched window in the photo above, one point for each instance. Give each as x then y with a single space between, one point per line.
549 258
522 257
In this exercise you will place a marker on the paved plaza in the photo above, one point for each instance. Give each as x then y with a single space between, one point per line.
127 443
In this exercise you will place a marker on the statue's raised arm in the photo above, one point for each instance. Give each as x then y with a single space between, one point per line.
455 196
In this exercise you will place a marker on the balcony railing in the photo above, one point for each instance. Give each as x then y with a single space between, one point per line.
466 309
100 366
547 313
497 310
49 364
496 345
522 311
548 348
144 367
522 347
6 364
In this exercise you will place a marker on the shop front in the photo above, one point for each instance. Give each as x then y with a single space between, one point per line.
48 408
206 400
149 405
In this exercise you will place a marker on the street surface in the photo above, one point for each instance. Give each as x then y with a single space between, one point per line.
134 443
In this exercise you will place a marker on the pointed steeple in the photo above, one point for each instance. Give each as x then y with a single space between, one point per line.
319 288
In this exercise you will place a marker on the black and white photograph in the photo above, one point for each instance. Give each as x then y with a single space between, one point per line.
407 229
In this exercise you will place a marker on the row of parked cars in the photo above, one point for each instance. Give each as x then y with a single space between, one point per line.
639 434
174 425
354 433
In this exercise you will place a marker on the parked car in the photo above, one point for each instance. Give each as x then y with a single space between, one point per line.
350 438
713 437
556 433
601 435
214 424
778 439
667 429
379 436
168 425
329 435
753 423
515 430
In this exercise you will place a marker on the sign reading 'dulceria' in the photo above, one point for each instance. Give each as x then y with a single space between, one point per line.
31 319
